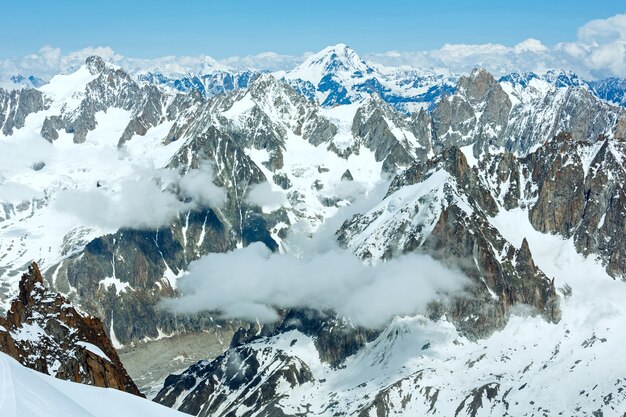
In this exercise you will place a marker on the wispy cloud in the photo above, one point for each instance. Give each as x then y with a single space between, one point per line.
264 196
251 283
148 200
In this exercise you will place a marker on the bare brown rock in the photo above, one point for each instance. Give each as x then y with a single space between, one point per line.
44 332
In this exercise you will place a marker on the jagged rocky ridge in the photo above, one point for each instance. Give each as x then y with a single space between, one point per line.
463 163
269 116
44 332
445 208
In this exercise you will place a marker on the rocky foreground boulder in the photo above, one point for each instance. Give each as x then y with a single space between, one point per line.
44 332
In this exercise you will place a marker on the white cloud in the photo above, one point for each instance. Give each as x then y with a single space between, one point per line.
598 51
250 283
603 30
198 185
148 200
264 196
530 45
138 203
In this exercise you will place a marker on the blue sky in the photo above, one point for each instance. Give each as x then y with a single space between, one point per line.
241 27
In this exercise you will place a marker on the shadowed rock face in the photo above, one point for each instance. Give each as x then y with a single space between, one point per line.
581 195
395 140
44 332
205 389
250 378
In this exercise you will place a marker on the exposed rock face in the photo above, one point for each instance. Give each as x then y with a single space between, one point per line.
114 88
16 105
581 195
240 381
271 109
44 332
146 264
249 376
527 114
389 135
477 112
442 208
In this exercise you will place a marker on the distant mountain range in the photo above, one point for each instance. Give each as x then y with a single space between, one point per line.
337 75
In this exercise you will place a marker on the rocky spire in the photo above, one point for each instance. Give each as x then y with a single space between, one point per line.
43 331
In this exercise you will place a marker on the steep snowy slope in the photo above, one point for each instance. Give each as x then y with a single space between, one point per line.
26 393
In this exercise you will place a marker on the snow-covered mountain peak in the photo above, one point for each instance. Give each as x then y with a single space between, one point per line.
95 64
63 89
339 60
64 86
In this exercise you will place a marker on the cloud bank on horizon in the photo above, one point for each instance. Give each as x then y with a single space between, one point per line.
599 51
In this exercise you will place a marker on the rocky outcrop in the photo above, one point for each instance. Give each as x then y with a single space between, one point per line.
16 105
241 381
442 208
259 117
580 194
112 87
44 332
573 188
122 277
518 114
389 135
477 112
252 376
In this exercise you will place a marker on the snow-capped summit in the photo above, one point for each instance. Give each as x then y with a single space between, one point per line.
337 75
339 61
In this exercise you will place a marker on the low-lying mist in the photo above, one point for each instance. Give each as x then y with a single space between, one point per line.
252 283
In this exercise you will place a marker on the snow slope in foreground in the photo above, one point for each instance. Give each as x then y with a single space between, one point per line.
27 393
